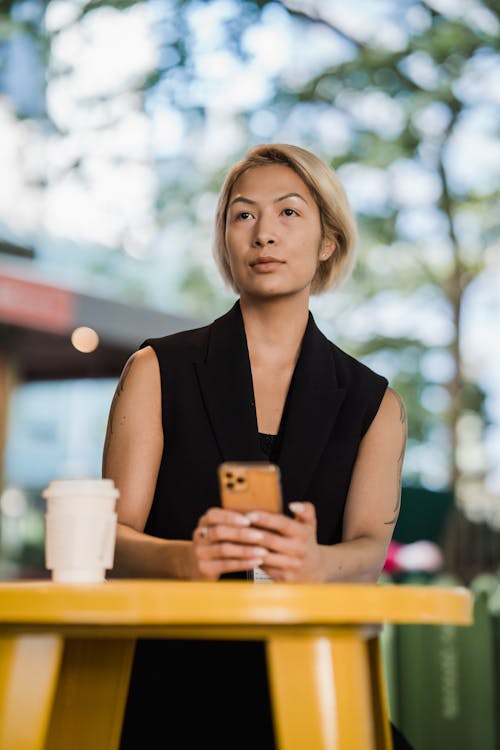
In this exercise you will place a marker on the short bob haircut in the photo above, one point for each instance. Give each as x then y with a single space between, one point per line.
337 220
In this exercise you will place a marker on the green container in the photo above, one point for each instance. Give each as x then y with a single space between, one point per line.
445 678
494 606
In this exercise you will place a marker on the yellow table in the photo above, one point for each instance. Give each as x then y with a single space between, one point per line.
66 652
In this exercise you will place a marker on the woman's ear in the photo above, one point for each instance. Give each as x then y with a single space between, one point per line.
327 249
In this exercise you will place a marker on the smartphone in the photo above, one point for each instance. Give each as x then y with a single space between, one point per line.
250 485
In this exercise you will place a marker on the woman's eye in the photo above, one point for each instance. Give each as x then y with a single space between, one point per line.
244 215
289 212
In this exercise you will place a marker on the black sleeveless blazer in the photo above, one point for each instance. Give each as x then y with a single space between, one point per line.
217 691
208 413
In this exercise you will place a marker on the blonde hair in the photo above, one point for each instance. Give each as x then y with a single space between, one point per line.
337 220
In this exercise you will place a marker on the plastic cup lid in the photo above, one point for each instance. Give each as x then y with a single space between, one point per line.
62 487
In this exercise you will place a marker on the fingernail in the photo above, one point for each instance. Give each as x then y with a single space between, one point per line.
242 520
255 535
253 516
260 551
297 507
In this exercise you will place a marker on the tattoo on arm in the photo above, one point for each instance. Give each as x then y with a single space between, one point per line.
118 392
404 426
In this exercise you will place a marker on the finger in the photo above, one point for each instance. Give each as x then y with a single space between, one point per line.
228 550
242 535
290 546
275 565
200 534
215 516
276 522
303 511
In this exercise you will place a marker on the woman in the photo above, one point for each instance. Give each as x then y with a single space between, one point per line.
259 382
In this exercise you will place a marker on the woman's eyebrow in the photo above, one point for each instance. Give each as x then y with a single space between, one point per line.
290 195
242 199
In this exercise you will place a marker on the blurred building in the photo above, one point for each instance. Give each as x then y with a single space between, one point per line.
61 353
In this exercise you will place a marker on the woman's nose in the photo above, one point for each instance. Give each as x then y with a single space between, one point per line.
264 233
262 240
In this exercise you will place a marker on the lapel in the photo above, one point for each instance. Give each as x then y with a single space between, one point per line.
226 384
311 408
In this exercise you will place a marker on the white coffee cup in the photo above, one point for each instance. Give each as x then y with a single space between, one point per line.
80 528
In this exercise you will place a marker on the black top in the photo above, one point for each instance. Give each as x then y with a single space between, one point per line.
267 443
215 691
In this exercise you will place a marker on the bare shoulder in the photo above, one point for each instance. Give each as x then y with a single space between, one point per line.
393 406
141 370
139 388
146 355
144 361
390 418
134 436
137 398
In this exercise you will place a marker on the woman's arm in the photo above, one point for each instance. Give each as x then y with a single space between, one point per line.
374 497
371 512
132 453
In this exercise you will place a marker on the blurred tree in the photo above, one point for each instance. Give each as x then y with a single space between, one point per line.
409 94
389 94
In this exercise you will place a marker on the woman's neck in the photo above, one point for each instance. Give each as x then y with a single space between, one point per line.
275 328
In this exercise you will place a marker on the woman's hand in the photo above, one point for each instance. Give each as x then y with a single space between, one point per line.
225 542
285 548
293 552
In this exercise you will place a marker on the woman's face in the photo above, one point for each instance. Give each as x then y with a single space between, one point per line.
273 233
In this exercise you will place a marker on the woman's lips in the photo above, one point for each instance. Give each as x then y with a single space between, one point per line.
266 264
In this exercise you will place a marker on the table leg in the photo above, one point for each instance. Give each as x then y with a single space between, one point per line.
91 694
29 667
323 691
380 697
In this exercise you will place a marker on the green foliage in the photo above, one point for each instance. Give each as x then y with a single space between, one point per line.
203 300
446 46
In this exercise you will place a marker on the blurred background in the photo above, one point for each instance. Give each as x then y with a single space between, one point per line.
118 121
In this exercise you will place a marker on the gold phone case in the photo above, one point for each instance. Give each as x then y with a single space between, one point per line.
250 485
